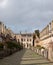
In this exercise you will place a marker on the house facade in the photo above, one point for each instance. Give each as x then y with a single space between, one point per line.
46 35
25 39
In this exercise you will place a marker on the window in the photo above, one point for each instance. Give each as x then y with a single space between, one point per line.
21 39
30 39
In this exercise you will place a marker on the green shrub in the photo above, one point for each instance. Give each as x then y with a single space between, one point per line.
12 45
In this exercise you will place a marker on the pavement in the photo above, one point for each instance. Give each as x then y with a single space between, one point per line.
25 57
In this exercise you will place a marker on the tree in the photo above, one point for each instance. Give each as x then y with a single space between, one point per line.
37 33
34 37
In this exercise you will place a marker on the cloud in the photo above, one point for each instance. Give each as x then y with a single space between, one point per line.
27 14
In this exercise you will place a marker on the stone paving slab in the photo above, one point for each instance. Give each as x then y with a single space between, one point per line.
25 57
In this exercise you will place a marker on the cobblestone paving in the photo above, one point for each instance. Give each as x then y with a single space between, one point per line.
25 57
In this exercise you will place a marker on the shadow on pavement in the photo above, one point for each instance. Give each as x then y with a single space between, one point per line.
14 59
23 57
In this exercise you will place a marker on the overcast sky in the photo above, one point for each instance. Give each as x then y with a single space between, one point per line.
26 15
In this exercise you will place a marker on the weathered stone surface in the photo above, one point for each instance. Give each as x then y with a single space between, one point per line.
25 57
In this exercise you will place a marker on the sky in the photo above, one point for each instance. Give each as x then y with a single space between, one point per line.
26 15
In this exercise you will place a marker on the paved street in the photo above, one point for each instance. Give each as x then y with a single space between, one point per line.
25 57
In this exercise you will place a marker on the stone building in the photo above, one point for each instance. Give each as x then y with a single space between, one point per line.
10 32
18 37
46 35
46 40
2 28
5 31
25 39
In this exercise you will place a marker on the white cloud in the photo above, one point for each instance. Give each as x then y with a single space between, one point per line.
3 3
